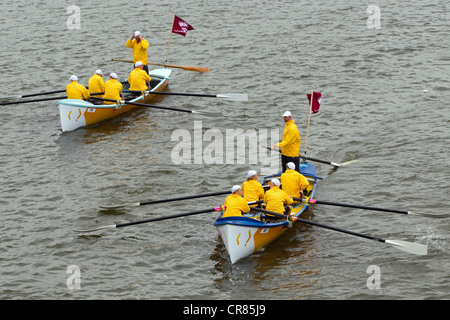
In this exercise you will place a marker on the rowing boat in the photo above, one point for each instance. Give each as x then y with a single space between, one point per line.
75 113
245 235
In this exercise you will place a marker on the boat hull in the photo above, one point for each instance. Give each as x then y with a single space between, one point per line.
246 235
76 114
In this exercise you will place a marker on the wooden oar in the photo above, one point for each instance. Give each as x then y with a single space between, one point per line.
414 248
188 68
225 96
220 208
205 113
137 204
315 201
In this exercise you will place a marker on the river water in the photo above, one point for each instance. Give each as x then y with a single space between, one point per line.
384 113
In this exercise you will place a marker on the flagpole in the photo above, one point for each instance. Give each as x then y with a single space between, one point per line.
309 118
170 37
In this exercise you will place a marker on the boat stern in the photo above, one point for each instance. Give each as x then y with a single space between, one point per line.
243 236
71 113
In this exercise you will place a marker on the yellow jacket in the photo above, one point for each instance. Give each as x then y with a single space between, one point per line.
293 182
138 79
75 90
275 199
96 84
113 89
139 50
290 144
253 190
235 206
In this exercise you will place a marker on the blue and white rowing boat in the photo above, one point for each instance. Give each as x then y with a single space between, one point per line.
245 235
76 114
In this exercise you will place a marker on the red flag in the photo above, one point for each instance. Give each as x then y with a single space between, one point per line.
316 101
180 26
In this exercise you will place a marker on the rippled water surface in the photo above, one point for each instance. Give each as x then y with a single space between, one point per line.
385 96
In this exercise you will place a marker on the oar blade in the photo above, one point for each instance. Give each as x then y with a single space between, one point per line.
208 114
233 96
120 206
96 229
410 247
10 98
191 68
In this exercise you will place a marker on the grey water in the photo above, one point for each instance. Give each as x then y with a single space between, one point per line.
383 71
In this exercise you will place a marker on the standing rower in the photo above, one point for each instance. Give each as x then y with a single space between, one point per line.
139 46
290 144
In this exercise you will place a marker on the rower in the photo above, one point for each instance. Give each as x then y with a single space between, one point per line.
138 78
75 90
253 190
290 143
235 203
277 200
292 182
113 89
96 83
139 46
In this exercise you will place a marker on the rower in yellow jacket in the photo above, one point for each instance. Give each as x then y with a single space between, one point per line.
75 90
113 89
292 182
138 78
96 83
253 190
277 200
139 46
235 204
290 143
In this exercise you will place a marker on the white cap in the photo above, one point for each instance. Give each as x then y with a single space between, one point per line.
98 71
235 188
137 34
113 75
137 64
73 78
275 182
251 173
287 114
291 165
